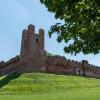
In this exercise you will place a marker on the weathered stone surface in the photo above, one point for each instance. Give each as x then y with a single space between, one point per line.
32 50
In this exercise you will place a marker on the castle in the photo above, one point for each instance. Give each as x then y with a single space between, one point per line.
33 58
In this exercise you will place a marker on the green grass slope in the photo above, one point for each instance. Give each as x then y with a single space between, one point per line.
39 86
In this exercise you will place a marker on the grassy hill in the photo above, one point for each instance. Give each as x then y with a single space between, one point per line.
39 86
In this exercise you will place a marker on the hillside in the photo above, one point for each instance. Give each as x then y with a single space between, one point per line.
39 86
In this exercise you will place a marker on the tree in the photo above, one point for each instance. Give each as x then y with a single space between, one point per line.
81 28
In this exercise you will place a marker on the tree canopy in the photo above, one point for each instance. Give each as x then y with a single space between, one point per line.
81 28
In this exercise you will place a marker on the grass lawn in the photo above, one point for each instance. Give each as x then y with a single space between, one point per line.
39 86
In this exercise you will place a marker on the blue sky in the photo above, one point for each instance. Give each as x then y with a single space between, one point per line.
16 15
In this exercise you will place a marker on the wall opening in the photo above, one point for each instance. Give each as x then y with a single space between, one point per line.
37 40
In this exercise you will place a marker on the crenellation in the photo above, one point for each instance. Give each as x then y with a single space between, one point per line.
92 65
69 60
76 62
84 62
24 32
31 29
73 61
2 62
41 32
80 63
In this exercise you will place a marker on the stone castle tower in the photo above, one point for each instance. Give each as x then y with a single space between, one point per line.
32 49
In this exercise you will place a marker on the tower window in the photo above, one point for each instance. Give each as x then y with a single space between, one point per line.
37 40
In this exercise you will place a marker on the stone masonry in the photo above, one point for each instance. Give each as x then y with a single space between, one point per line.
33 58
32 49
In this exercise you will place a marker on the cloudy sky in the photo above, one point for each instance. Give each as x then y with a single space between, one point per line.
16 15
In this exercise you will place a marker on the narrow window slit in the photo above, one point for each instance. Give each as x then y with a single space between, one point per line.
37 40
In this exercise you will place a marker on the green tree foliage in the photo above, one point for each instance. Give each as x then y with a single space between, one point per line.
81 28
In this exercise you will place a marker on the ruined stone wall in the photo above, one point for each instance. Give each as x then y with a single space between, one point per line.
54 64
61 65
92 71
10 66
